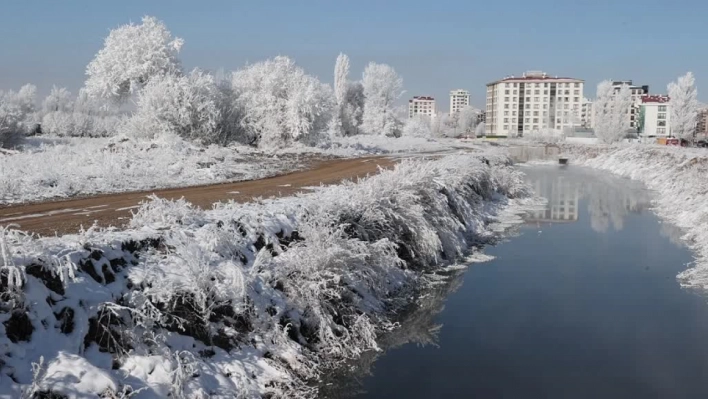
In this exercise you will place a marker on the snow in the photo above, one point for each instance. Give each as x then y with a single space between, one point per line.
678 176
244 300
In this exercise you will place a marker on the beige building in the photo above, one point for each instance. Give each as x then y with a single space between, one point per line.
421 105
532 102
655 116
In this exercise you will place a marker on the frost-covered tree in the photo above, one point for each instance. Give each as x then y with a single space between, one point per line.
382 87
174 104
82 117
341 74
131 56
610 108
16 111
479 131
59 99
280 103
353 112
417 126
684 106
467 120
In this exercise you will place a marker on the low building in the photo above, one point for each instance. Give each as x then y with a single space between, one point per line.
654 116
421 106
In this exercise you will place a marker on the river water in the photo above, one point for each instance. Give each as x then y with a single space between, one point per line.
582 302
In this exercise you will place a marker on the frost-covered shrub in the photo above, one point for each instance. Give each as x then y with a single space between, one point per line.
83 117
545 136
16 113
418 126
131 56
280 104
185 106
610 108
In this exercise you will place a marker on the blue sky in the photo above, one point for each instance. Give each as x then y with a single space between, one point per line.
435 45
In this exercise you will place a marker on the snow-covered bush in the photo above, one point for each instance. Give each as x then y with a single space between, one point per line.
280 103
185 106
353 112
611 107
418 126
467 120
684 106
545 136
131 56
382 87
84 117
16 111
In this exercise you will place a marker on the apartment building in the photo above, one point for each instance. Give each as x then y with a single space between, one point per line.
458 100
421 105
534 101
587 116
654 117
702 123
637 93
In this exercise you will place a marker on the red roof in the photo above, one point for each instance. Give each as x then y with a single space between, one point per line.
655 98
422 98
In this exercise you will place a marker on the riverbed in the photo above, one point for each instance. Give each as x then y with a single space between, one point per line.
581 302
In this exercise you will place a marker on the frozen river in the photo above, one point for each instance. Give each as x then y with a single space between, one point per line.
582 303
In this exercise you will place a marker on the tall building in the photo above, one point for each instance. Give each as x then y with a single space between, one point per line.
534 101
421 105
587 116
458 100
654 117
702 123
637 93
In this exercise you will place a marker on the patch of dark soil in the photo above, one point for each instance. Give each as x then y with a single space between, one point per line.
19 327
87 267
65 317
50 280
48 395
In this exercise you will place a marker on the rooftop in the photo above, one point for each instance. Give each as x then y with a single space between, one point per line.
421 98
655 98
533 75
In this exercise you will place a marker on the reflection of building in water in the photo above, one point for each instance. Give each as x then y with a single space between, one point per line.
562 195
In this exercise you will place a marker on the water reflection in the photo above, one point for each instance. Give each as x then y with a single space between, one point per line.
609 199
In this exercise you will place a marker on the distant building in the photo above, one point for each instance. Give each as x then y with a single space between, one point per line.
481 117
702 123
458 100
421 105
637 93
534 101
587 117
654 117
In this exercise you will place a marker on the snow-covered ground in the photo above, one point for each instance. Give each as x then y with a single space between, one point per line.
48 168
678 175
244 300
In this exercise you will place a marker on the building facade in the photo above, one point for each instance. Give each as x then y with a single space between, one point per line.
637 93
458 100
654 118
587 116
702 123
535 101
421 106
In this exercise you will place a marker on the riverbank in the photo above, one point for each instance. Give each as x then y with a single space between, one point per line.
244 299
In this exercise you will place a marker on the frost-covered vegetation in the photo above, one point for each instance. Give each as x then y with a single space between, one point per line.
680 178
243 300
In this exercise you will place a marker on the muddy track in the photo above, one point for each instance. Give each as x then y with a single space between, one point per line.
67 216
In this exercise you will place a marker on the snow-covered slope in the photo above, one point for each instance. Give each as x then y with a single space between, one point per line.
245 300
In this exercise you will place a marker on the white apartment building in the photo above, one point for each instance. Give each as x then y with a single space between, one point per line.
534 101
637 93
458 100
655 118
421 105
587 116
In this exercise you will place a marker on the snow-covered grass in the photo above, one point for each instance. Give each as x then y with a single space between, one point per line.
244 300
678 175
63 167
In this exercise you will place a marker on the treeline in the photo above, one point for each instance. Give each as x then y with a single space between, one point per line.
271 103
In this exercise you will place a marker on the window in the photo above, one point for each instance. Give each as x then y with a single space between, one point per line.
662 108
535 120
567 84
528 91
506 99
506 127
515 92
528 106
576 92
545 106
535 113
506 106
506 91
537 84
506 113
545 113
575 99
535 106
514 84
661 116
506 120
537 92
567 99
535 127
545 84
565 106
545 92
507 84
577 84
660 130
545 99
661 123
513 113
527 120
528 99
535 98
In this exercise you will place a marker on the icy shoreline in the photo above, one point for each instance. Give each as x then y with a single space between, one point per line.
679 176
245 300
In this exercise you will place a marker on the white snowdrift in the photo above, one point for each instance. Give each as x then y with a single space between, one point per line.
243 300
680 178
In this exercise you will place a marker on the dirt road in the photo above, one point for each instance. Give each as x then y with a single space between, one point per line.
67 216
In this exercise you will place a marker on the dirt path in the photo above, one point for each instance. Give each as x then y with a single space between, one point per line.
62 217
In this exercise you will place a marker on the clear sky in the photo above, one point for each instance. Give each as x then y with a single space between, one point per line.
436 45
